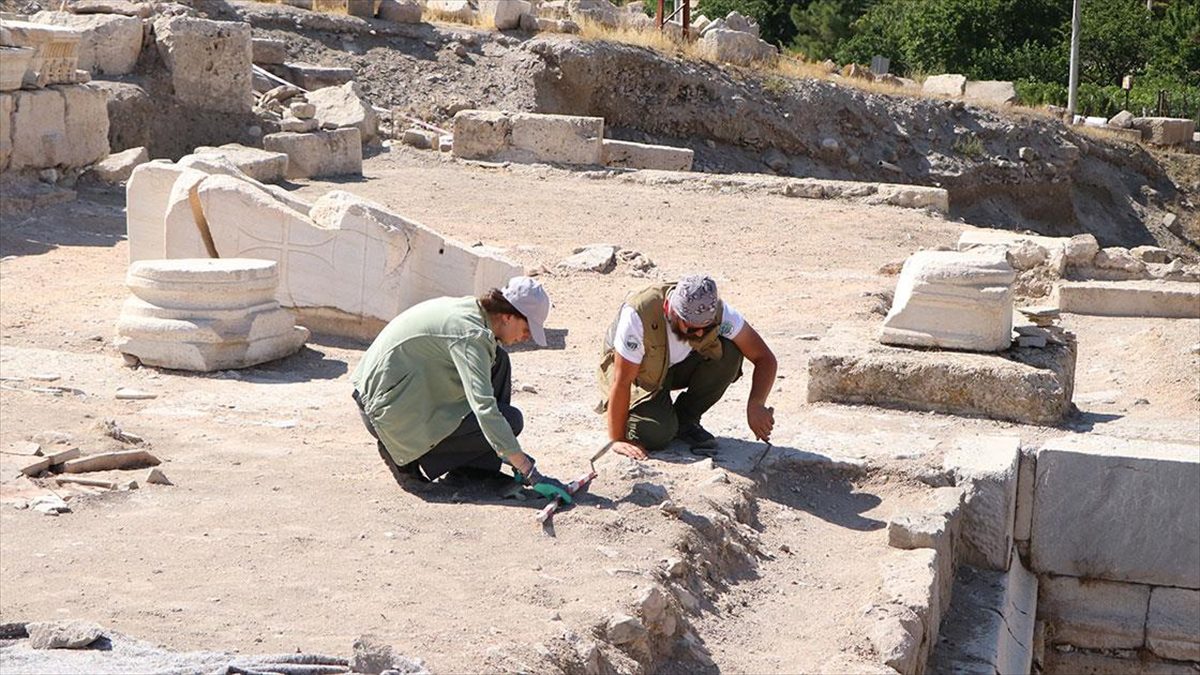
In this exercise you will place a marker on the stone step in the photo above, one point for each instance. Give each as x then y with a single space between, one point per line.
1165 299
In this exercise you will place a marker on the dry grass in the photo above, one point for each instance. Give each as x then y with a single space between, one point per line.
650 39
433 14
1101 134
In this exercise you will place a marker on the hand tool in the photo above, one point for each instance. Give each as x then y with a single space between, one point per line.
578 485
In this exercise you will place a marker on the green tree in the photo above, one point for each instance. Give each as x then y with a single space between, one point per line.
1115 39
822 26
1176 45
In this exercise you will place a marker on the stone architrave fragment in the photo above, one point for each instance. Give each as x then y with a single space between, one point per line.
322 153
110 44
210 62
986 466
1140 496
205 315
1094 614
952 301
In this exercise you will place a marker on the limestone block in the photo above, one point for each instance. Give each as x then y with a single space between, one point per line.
910 581
118 167
220 165
1165 130
1151 254
1081 250
986 466
566 139
298 126
322 153
146 196
1028 385
7 105
400 11
481 134
261 165
990 626
86 123
952 300
1118 258
268 51
110 44
1094 614
1173 624
351 260
645 156
312 77
210 62
343 107
503 14
1026 479
1118 509
1122 120
1149 298
974 240
39 130
735 46
72 634
995 92
423 139
56 51
945 85
205 314
184 230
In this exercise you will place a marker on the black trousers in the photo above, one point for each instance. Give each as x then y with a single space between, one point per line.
466 446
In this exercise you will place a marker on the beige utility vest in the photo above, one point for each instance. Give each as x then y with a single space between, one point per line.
652 372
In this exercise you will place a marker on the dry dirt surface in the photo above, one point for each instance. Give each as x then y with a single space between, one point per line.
283 530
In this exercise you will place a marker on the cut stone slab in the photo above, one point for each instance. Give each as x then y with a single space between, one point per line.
344 106
206 314
503 14
110 44
210 62
952 300
85 119
976 239
62 634
601 259
1032 386
118 167
951 85
107 461
565 139
643 156
1165 130
146 196
989 627
1173 624
1167 299
261 165
268 51
987 467
39 130
1148 510
313 77
321 153
1094 614
400 11
480 134
911 585
995 92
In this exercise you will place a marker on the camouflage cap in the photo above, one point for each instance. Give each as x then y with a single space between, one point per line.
695 299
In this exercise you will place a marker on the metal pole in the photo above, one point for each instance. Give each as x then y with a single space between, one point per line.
687 18
658 18
1073 83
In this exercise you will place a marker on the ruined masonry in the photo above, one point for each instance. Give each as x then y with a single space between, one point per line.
345 264
205 315
952 301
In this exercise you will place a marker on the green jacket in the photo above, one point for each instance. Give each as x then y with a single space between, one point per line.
427 369
652 372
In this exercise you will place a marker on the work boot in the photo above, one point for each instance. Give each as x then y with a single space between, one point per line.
696 436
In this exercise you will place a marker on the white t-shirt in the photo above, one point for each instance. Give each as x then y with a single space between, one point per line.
627 341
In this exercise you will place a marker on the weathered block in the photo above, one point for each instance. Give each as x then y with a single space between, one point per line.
312 77
400 11
986 467
1028 385
1165 130
1094 614
39 130
85 118
344 107
1168 299
735 46
56 51
481 134
109 45
1026 478
7 104
911 582
210 62
565 139
644 156
945 85
1117 509
952 301
1173 624
971 240
147 194
503 14
261 165
322 153
117 168
989 627
202 315
268 51
995 92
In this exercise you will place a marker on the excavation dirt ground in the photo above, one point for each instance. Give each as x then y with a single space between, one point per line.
284 531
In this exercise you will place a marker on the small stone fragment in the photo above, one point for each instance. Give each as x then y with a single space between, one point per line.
62 634
130 394
623 629
157 477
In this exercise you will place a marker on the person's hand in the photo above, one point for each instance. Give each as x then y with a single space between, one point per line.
629 450
551 488
522 465
761 420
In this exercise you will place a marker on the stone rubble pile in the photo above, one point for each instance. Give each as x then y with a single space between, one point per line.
205 315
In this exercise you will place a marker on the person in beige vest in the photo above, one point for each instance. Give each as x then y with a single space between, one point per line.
682 336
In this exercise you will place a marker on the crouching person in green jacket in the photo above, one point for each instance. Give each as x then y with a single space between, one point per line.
435 388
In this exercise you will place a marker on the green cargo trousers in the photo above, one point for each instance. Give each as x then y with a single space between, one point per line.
654 423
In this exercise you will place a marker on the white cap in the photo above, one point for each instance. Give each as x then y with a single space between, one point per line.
531 300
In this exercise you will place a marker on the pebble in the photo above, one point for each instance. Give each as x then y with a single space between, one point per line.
529 389
130 394
808 336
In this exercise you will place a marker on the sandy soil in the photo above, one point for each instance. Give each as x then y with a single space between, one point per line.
284 531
